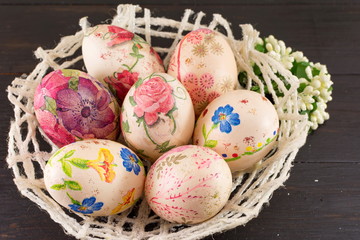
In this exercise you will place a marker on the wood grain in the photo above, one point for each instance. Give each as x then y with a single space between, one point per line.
179 3
325 33
321 199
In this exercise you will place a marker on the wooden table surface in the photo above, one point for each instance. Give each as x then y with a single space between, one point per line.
320 200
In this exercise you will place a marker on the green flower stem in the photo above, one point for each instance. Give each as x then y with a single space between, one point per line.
250 153
173 119
148 135
131 68
214 126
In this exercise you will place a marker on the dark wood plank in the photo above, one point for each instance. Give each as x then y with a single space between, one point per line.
337 140
319 201
325 33
314 203
322 196
179 3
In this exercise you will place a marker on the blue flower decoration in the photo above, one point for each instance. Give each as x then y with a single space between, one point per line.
87 206
226 118
131 161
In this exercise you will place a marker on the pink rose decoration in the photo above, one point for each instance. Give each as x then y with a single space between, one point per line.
153 97
122 83
120 35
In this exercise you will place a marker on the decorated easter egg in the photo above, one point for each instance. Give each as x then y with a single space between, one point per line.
118 57
95 177
204 62
242 126
188 184
70 105
157 115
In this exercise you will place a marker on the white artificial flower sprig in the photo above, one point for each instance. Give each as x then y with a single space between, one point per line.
315 82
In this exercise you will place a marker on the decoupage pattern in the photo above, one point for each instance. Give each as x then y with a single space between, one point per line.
204 63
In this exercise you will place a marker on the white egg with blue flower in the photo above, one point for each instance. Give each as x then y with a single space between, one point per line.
242 126
95 177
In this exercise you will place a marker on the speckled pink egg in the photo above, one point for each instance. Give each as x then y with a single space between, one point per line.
95 177
71 105
118 57
204 62
242 126
188 184
157 115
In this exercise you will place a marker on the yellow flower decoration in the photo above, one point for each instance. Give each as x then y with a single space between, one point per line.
249 148
128 200
103 165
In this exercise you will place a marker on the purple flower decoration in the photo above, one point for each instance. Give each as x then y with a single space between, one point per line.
84 110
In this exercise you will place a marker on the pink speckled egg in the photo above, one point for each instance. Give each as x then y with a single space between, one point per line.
157 115
242 126
204 62
71 105
188 184
95 177
118 57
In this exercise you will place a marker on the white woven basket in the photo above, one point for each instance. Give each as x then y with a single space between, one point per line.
28 152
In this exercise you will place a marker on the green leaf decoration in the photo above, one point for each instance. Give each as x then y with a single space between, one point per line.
257 70
210 143
132 101
134 55
80 163
203 130
73 200
74 83
58 187
139 120
53 156
73 185
302 87
248 153
66 167
69 154
171 111
315 71
298 69
70 73
141 153
260 48
50 105
164 147
140 163
135 50
139 82
125 126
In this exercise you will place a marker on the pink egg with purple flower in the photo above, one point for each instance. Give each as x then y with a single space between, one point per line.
242 126
70 105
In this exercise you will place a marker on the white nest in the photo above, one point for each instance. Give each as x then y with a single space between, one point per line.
251 190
